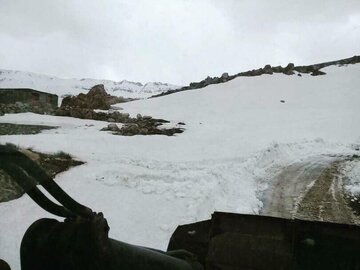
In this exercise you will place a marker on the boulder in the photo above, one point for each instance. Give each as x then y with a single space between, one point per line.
97 90
289 69
224 77
267 69
96 98
113 127
130 129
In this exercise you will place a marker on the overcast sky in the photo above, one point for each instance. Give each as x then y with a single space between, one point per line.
176 41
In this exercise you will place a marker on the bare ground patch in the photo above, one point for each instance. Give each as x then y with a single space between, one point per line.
311 190
17 129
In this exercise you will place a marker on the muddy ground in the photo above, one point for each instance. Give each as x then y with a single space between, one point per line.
311 190
16 129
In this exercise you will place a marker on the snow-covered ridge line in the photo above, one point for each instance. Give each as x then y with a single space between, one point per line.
290 69
63 87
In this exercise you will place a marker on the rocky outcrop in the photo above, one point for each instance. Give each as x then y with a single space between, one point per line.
80 106
139 125
96 98
290 69
142 125
83 113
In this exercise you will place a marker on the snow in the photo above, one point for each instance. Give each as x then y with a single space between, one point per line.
352 172
63 87
238 135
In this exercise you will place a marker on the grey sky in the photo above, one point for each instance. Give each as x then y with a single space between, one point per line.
174 41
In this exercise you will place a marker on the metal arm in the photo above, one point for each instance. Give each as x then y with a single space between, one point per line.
24 170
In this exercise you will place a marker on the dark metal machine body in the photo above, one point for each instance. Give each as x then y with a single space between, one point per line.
238 241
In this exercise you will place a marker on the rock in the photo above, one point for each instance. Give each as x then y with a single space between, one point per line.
282 101
288 70
147 117
225 75
138 116
96 98
97 90
317 73
290 66
278 69
111 120
144 131
62 111
88 114
66 101
130 129
304 69
224 78
76 112
267 69
113 127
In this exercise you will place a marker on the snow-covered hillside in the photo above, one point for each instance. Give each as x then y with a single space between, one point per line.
61 87
238 135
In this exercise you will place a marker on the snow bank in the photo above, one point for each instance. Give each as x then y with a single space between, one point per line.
352 172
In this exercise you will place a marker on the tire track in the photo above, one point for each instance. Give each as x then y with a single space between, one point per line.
311 190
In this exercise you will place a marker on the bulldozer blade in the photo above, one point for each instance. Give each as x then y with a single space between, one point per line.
237 241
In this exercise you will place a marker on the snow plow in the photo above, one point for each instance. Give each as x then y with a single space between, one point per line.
238 241
227 241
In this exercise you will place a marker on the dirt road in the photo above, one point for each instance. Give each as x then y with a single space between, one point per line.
311 190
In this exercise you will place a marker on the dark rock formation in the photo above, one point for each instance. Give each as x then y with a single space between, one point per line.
113 127
317 73
142 126
289 69
96 98
268 70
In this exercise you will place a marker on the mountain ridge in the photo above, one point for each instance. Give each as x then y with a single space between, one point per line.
72 86
314 70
